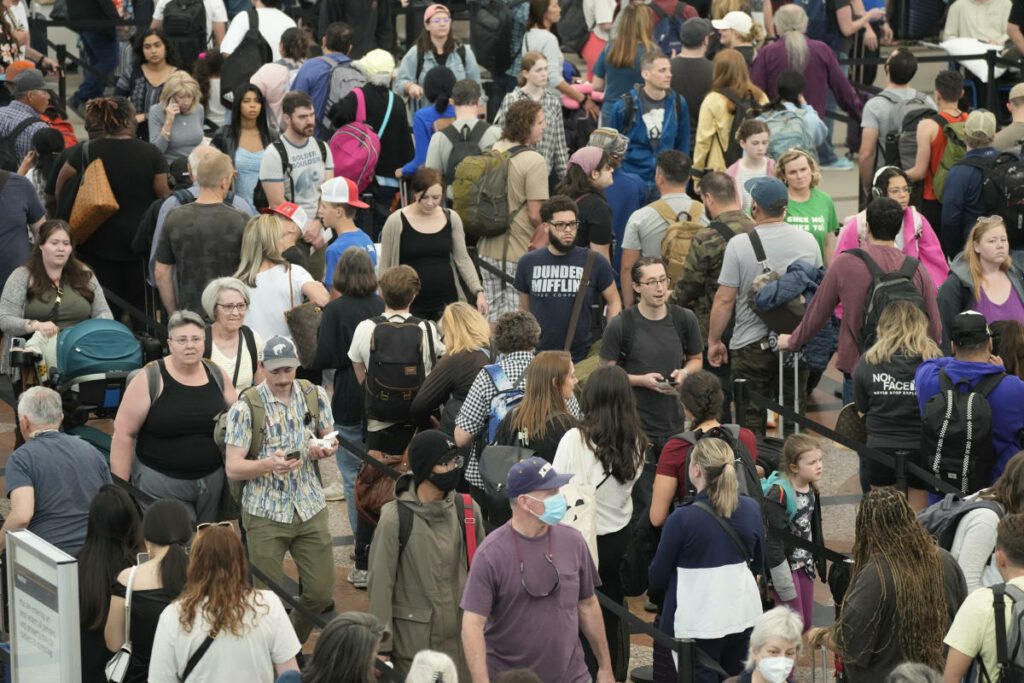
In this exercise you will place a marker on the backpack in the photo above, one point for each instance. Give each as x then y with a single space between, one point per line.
746 470
490 34
786 317
1010 663
899 147
677 314
96 346
249 339
9 159
954 151
355 147
675 245
480 193
464 513
573 31
465 143
956 433
1003 191
245 60
421 57
746 108
342 79
185 25
503 402
886 289
629 112
395 371
142 241
941 519
668 31
787 130
776 479
259 197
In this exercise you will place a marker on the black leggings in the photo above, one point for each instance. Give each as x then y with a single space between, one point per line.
610 550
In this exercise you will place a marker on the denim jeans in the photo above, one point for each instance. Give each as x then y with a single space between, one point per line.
101 50
348 467
826 153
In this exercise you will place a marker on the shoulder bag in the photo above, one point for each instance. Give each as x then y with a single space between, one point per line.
581 496
577 302
303 323
95 201
196 656
117 667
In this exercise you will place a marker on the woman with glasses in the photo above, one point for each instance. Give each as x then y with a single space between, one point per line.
163 433
917 238
229 342
419 555
221 628
431 240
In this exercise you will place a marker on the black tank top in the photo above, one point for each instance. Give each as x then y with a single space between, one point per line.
177 437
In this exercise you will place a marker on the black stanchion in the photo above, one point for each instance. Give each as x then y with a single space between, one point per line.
62 79
991 89
901 471
687 665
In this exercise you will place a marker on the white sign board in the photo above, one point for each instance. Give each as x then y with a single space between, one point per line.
42 587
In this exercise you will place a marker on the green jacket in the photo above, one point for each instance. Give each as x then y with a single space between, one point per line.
697 286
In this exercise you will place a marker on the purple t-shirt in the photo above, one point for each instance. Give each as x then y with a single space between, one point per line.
524 632
1011 309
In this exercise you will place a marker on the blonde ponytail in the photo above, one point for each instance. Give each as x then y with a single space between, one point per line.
717 460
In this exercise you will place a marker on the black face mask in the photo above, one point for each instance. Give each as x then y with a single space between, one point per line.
446 481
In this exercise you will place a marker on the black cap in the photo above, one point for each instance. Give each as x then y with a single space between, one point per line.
427 449
969 329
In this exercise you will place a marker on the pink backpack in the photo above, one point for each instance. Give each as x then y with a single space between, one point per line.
355 147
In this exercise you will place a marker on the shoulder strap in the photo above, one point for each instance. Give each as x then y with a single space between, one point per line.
732 533
387 114
628 332
196 656
678 317
208 344
16 131
405 521
309 392
577 304
629 111
755 242
876 272
214 371
420 57
985 386
664 210
254 19
286 165
909 267
250 345
467 520
454 136
999 609
498 377
723 229
480 129
257 418
128 608
153 379
360 105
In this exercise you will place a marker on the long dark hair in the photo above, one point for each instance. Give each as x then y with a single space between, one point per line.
702 395
76 274
611 426
48 143
170 52
346 650
167 523
112 539
789 87
437 87
236 114
425 45
578 182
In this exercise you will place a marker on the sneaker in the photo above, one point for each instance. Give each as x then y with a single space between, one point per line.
357 577
840 164
334 492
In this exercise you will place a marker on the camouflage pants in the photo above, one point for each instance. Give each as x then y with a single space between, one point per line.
760 367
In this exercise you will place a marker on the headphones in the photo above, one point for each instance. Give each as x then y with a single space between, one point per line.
878 192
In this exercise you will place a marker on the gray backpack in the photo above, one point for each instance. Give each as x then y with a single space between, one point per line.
1009 654
899 147
343 78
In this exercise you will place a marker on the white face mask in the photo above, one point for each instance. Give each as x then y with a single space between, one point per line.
775 669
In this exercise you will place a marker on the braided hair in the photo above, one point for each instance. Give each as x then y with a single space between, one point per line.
702 396
112 115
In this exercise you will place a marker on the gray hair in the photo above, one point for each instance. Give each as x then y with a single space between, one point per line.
913 672
432 667
211 294
349 642
196 155
791 25
779 623
40 406
182 318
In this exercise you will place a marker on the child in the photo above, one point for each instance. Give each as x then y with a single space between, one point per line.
753 137
791 503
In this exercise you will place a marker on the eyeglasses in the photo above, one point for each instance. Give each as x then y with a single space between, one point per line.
661 281
185 341
206 525
441 20
522 573
233 308
561 226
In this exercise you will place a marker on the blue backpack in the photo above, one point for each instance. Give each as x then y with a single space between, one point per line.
668 30
775 478
507 398
96 347
787 130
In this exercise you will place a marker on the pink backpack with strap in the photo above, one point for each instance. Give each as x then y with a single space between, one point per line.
355 147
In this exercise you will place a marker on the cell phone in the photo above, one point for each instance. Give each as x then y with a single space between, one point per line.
17 343
141 557
294 455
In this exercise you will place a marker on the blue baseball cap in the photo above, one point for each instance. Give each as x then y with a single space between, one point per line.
534 474
768 193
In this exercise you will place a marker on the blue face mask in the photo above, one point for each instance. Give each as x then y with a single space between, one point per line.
555 508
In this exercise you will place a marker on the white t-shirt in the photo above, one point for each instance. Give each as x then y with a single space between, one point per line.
273 23
227 363
19 18
215 11
614 500
309 167
270 299
599 12
251 657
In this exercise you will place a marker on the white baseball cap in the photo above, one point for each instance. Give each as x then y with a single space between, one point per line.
341 190
737 21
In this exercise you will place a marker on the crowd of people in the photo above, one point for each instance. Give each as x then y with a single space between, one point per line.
528 293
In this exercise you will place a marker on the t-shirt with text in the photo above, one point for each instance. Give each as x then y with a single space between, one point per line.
308 171
816 216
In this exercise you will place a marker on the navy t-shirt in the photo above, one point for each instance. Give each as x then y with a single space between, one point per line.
552 282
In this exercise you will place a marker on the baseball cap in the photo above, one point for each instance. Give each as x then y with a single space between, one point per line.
610 140
434 9
768 193
587 158
694 32
534 474
292 212
29 80
1016 92
969 328
279 352
341 190
980 122
378 62
737 21
16 68
427 449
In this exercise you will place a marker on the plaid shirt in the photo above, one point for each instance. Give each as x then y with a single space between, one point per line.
13 114
273 496
552 145
476 409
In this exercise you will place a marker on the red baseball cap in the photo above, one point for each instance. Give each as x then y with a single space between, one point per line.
341 190
292 212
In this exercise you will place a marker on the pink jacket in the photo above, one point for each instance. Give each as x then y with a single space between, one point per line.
734 171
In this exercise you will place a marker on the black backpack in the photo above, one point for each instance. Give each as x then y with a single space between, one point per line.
629 112
746 108
941 519
394 371
572 27
956 433
746 469
245 60
185 26
465 143
9 159
490 34
1009 653
142 242
1003 192
886 289
259 197
421 56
